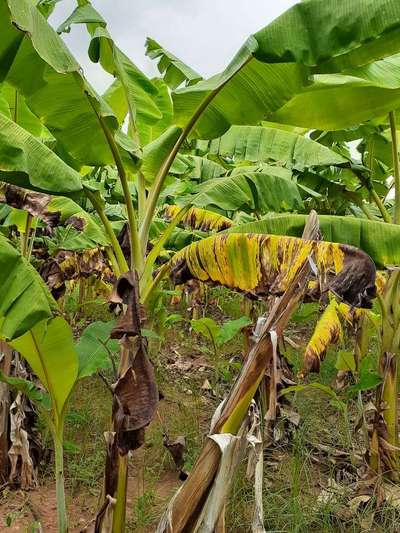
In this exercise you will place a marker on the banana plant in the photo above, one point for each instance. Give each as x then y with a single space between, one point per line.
259 265
29 325
86 128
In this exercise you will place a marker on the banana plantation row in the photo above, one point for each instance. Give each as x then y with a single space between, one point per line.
278 178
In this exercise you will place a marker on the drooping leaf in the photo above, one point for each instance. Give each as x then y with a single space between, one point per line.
244 93
24 298
262 265
36 61
199 219
49 349
328 331
174 71
337 101
29 389
275 64
350 33
378 239
82 14
27 162
262 144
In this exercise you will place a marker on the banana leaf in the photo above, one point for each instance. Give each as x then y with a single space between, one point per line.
199 219
251 191
258 143
24 298
35 60
174 71
378 239
262 265
26 162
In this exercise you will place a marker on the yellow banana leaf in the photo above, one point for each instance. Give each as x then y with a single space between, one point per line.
200 219
327 331
263 265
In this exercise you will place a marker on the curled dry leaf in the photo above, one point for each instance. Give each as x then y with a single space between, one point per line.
35 203
177 449
125 292
135 392
20 447
135 401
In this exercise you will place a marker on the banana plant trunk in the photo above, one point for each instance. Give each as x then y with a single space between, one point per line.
5 366
384 445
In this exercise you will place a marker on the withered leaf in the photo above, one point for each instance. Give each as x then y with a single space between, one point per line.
177 449
135 401
126 292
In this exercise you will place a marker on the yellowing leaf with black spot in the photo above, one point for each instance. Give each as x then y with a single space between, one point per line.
261 265
200 219
378 239
55 211
328 331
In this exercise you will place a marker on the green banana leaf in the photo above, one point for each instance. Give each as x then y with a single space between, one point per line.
179 238
257 143
155 153
27 162
15 108
95 347
349 33
337 101
150 132
24 297
92 232
251 191
378 239
244 93
275 64
29 389
50 351
174 71
203 169
35 60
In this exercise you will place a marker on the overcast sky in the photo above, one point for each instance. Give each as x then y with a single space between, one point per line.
204 33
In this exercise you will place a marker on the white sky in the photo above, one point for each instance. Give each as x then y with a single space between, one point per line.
205 34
